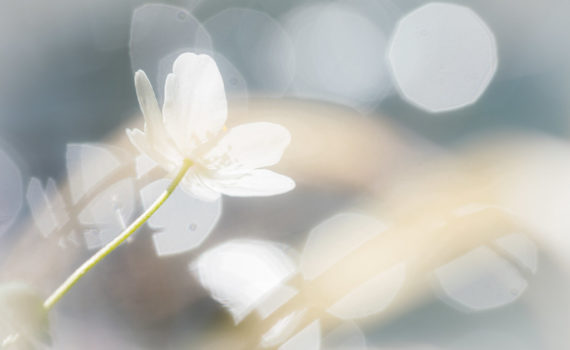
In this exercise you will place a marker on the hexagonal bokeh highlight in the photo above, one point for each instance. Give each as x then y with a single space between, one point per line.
442 56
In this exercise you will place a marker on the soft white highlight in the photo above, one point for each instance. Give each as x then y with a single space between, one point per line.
240 274
190 126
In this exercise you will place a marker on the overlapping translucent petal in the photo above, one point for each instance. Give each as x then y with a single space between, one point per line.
190 126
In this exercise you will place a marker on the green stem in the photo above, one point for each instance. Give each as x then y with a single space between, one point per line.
103 252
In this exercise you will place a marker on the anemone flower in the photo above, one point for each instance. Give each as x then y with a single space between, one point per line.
191 128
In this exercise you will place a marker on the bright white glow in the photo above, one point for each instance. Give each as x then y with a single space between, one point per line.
334 239
443 57
182 222
241 273
307 339
339 55
235 84
480 280
372 296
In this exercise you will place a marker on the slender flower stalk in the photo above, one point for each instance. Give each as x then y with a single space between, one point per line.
103 252
188 139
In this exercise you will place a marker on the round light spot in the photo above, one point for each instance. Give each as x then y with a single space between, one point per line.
442 57
340 55
480 280
257 45
159 31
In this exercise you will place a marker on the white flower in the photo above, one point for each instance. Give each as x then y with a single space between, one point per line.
191 127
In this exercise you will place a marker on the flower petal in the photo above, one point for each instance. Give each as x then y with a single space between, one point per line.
195 105
154 126
261 182
249 146
141 142
193 185
171 118
148 103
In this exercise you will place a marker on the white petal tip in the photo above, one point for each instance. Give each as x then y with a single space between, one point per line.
132 132
287 187
190 59
193 56
259 183
140 75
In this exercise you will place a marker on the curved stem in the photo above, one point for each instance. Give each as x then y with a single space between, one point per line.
103 252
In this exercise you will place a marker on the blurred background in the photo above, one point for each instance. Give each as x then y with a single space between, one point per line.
430 150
